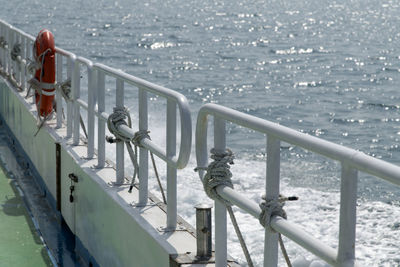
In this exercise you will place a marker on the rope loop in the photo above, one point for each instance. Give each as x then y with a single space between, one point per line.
117 118
271 208
32 66
3 42
16 51
218 173
139 136
65 89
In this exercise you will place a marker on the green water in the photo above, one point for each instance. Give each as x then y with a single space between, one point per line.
20 244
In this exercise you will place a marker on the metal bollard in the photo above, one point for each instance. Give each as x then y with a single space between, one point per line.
203 231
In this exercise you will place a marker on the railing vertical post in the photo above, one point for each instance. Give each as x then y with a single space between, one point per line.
28 55
272 192
22 65
76 84
4 58
59 106
9 45
91 104
143 154
348 203
119 101
220 209
70 67
101 134
2 49
17 65
171 171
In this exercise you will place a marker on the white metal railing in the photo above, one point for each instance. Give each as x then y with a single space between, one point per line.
16 71
174 100
351 162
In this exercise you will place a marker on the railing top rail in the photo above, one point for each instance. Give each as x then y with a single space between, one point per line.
17 30
348 156
65 53
84 61
148 86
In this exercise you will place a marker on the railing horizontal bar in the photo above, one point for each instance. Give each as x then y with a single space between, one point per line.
85 61
149 145
82 103
239 200
148 86
22 33
305 240
102 116
353 158
280 225
63 52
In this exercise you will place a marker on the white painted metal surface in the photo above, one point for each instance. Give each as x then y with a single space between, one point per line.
103 210
74 103
351 160
174 162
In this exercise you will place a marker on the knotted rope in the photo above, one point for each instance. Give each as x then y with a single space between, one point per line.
273 207
120 116
139 136
136 140
65 89
3 42
270 208
218 173
15 52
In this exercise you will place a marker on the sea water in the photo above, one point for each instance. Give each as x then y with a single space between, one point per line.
326 68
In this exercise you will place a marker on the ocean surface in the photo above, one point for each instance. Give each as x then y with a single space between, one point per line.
326 68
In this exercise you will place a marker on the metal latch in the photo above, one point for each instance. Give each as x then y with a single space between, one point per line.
74 179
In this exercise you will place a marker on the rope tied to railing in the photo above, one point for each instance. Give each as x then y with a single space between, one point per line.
218 173
269 208
16 51
3 42
136 140
120 116
274 207
65 89
139 136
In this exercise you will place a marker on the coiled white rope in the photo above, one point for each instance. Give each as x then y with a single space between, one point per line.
218 173
15 52
118 118
274 207
3 42
270 208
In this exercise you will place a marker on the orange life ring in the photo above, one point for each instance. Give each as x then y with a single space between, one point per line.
44 52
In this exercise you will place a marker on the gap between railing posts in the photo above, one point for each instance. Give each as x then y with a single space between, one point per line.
351 161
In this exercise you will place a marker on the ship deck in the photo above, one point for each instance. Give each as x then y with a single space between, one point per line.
25 220
21 244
